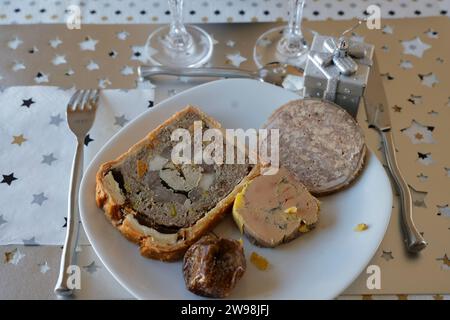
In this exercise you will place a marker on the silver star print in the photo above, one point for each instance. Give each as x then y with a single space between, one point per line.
54 43
432 34
15 43
30 242
127 70
91 268
39 198
422 177
2 221
120 121
88 44
33 50
113 54
48 158
418 133
425 159
406 64
43 267
388 29
41 77
141 53
230 43
444 210
59 59
416 100
103 83
387 255
429 80
92 65
415 47
236 59
56 120
18 65
418 198
122 35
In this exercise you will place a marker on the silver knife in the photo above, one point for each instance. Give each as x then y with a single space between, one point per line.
377 110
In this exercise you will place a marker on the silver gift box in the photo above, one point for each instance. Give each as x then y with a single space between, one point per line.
338 70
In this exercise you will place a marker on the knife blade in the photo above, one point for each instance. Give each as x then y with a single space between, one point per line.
375 101
377 111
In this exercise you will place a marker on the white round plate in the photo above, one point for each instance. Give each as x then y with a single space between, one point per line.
318 265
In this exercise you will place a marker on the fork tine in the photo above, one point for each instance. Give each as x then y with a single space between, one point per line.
93 99
77 101
83 100
71 105
96 95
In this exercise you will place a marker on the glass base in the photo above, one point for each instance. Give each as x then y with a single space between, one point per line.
269 48
159 52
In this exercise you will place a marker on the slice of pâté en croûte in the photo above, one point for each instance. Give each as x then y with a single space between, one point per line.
162 206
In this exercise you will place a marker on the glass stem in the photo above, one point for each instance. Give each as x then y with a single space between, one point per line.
178 38
293 34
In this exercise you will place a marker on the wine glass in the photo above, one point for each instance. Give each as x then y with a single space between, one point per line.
285 44
178 45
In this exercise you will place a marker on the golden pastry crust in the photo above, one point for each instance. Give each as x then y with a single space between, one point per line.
149 246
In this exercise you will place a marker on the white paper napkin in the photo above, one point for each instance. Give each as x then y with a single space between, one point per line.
36 151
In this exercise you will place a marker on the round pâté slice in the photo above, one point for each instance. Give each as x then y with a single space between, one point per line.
320 143
274 209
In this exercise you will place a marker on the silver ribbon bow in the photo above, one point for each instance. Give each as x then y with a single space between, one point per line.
337 60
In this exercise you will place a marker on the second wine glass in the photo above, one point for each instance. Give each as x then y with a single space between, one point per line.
176 44
285 44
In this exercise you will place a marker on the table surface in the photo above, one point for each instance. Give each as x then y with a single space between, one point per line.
34 276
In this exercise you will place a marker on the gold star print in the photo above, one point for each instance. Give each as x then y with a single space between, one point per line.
418 136
445 260
18 140
397 108
438 297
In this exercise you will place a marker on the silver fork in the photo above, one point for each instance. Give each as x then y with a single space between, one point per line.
80 116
